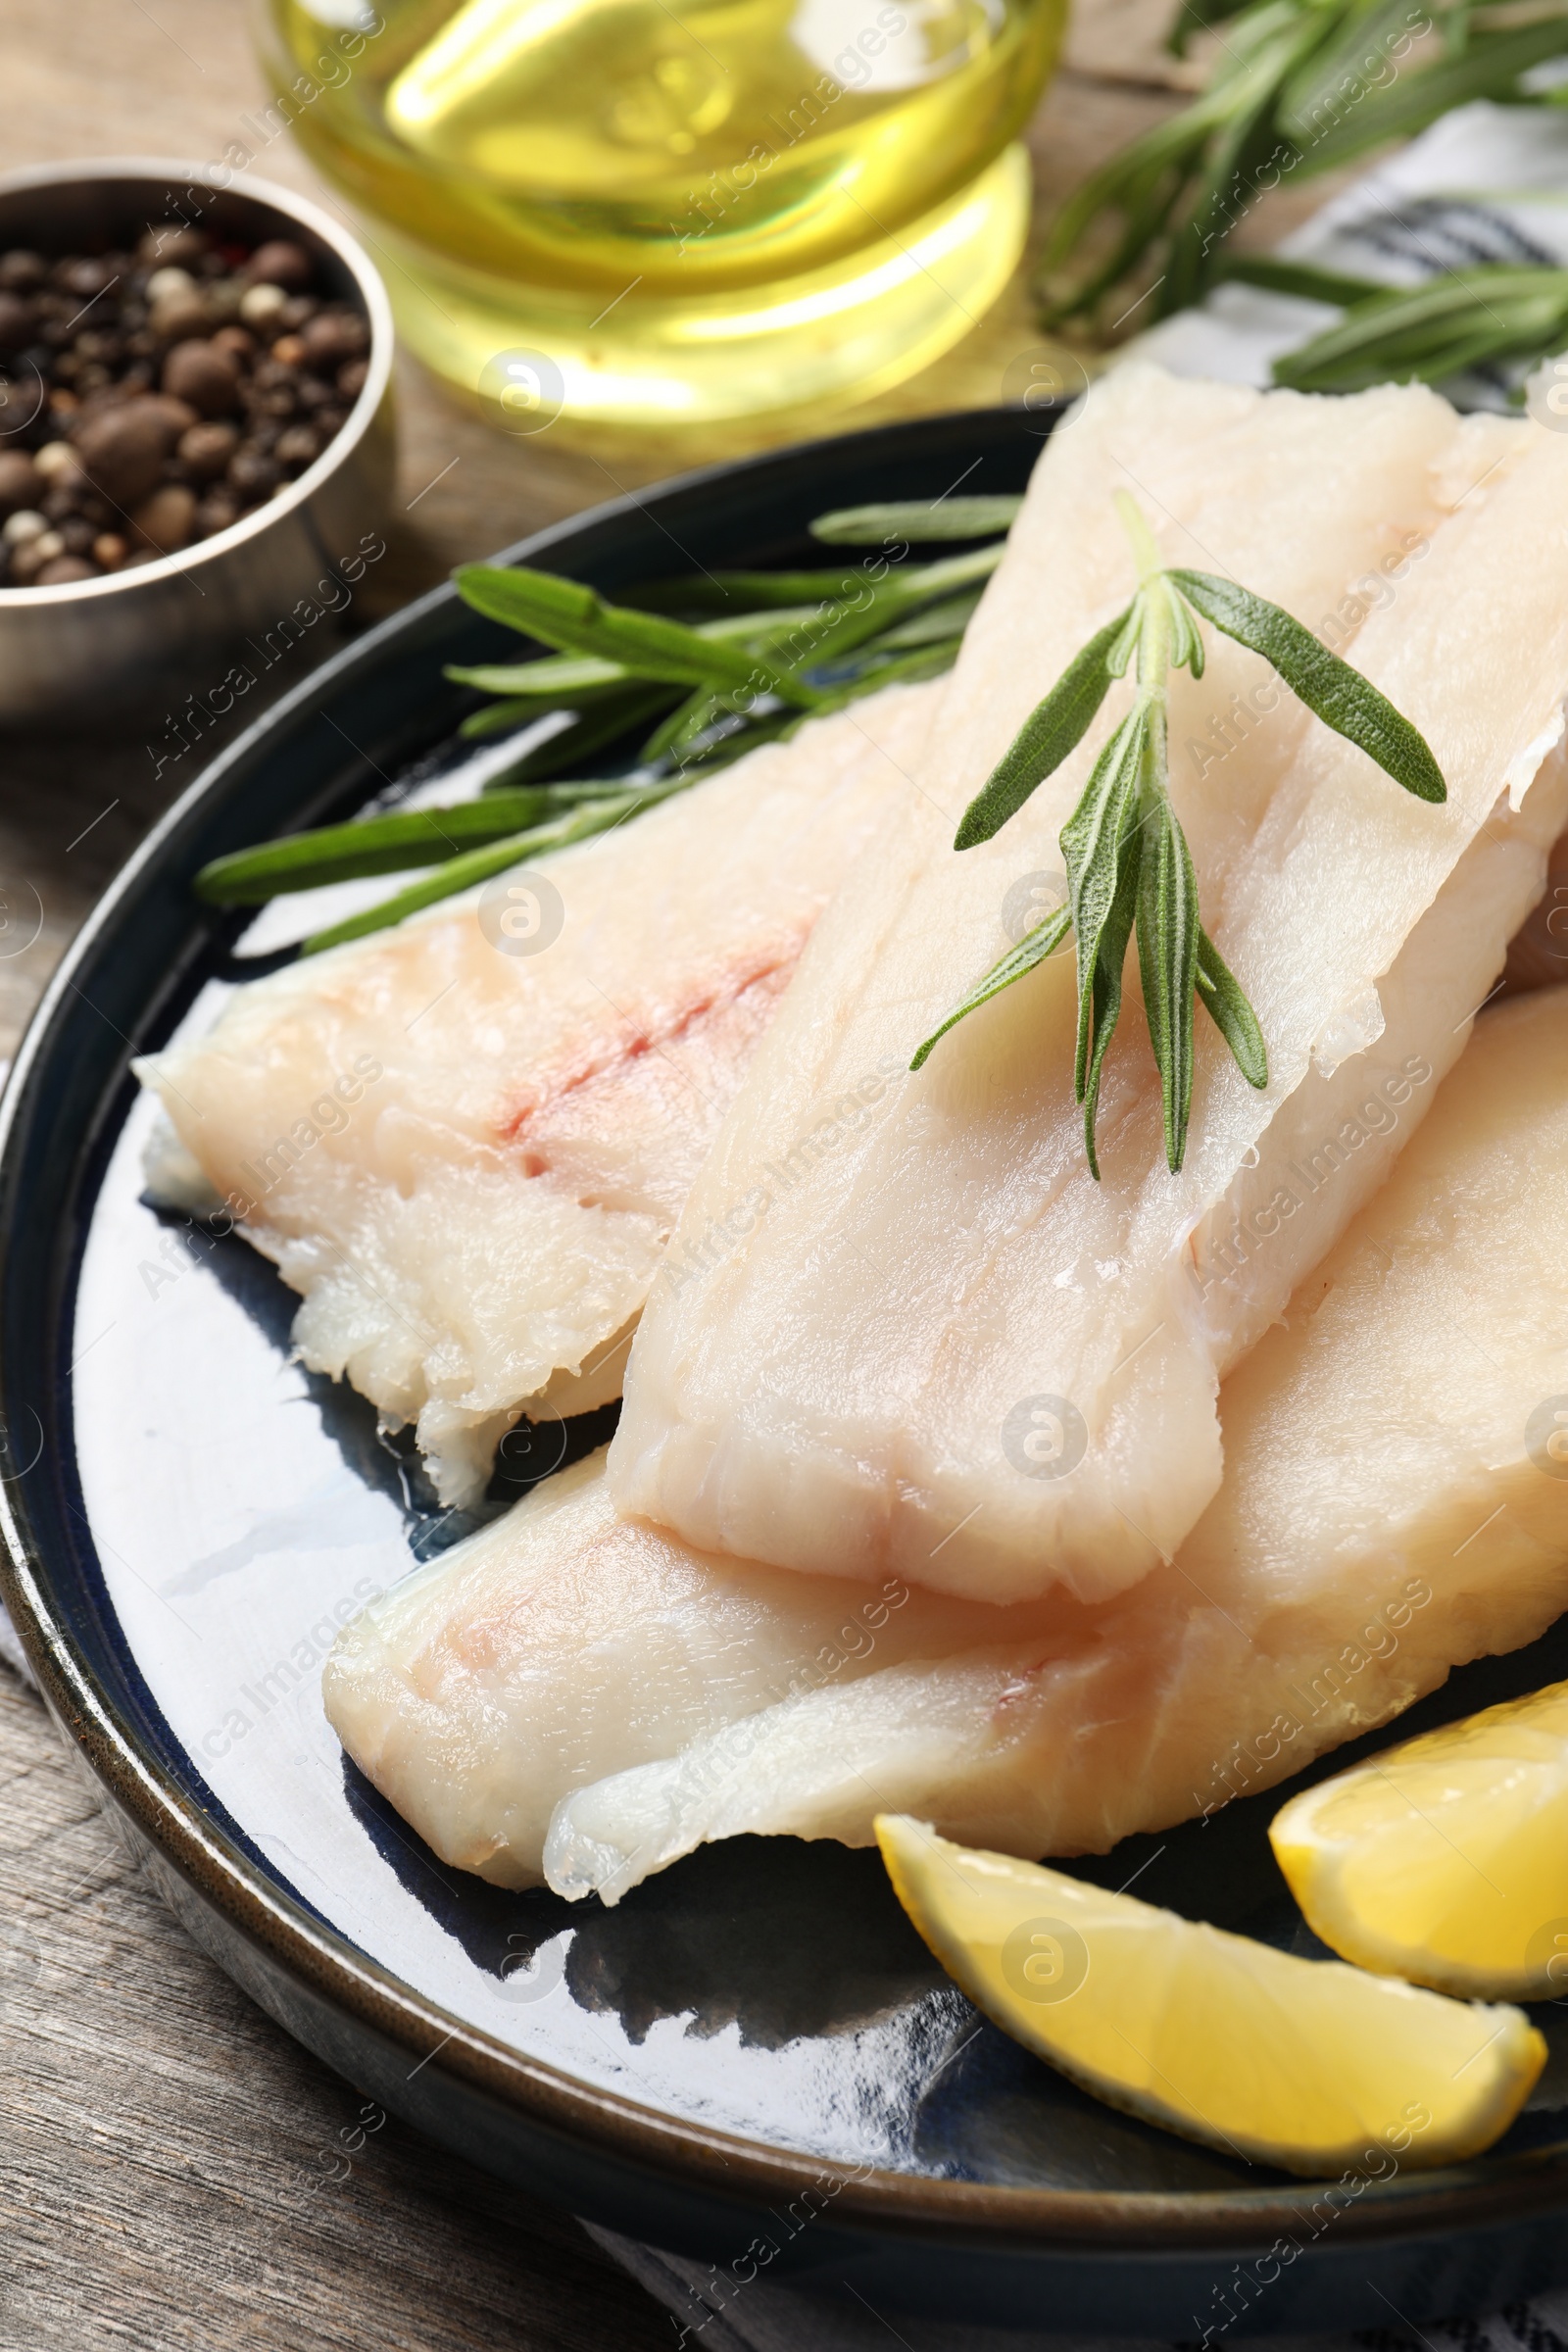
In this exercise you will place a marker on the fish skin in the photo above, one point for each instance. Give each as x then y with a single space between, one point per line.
572 1693
834 1393
476 1233
1385 1516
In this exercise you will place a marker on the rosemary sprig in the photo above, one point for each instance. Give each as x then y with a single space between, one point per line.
1492 315
1129 869
715 665
1299 87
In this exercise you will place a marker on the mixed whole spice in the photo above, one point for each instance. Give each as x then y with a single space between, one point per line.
149 399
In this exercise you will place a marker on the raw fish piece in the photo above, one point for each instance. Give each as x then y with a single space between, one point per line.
475 1230
561 1643
901 1330
1394 1502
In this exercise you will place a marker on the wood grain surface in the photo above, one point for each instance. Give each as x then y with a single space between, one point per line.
156 2129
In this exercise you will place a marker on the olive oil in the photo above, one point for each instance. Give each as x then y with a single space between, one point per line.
673 212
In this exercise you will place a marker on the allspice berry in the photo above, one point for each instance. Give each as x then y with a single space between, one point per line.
207 449
123 448
167 519
21 483
332 336
281 262
297 446
205 377
22 271
171 248
177 414
60 570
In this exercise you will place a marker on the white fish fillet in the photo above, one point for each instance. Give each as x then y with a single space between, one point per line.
476 1229
584 1694
826 1382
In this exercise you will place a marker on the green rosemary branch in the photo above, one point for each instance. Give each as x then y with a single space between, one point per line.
1299 87
1129 869
710 683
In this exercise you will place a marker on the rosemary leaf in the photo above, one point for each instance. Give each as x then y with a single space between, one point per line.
1341 698
567 680
1313 98
1091 844
726 592
918 520
1220 992
1111 960
1302 278
566 615
1053 729
702 710
1489 67
1167 961
461 873
372 845
1034 947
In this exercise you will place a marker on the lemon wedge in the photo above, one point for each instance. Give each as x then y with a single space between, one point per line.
1446 1859
1305 2064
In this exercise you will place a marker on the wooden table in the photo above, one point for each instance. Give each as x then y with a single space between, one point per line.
151 2120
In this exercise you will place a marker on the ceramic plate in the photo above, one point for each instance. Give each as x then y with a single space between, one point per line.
754 2051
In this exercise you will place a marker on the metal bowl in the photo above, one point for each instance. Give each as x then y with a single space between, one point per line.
210 620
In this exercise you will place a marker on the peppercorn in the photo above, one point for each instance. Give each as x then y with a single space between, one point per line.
16 322
253 474
297 448
154 397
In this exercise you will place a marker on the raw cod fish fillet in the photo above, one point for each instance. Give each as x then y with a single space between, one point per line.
873 1342
474 1232
585 1696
